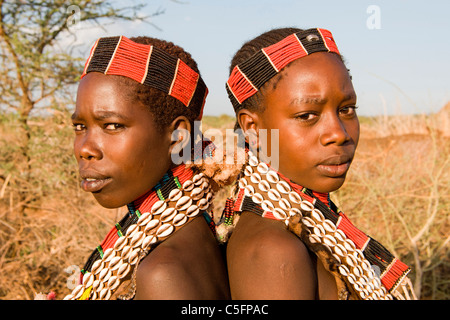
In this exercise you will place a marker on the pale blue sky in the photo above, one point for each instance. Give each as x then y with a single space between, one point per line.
402 67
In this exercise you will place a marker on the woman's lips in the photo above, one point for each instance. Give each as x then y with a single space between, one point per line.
335 166
334 170
94 184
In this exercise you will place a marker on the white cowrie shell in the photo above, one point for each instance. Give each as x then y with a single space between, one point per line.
349 245
97 266
97 285
148 240
340 235
306 206
120 243
164 230
279 214
144 218
179 219
183 203
193 210
317 216
197 193
104 275
329 240
115 263
253 161
78 291
257 198
137 239
284 204
203 204
248 171
329 226
242 183
294 212
343 270
197 179
124 269
151 226
88 279
351 278
133 257
264 186
132 230
319 230
108 254
274 195
105 294
340 250
168 214
249 190
262 167
209 196
272 177
266 205
255 177
350 260
308 222
158 207
125 252
294 197
188 185
313 238
283 187
113 283
175 194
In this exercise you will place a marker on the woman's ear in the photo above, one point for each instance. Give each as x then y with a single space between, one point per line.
249 123
247 120
180 130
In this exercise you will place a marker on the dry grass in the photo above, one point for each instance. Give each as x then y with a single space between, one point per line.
397 191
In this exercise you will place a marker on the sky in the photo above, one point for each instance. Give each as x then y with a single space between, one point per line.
397 51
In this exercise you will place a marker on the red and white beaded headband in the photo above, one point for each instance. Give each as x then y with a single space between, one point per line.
248 77
150 66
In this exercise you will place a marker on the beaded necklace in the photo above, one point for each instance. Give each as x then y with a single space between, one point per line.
178 198
346 252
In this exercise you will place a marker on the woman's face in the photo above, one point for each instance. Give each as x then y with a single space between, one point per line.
121 153
313 107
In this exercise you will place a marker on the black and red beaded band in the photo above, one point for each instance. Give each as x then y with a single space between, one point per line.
248 77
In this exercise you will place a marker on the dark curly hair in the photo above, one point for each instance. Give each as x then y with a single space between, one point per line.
256 102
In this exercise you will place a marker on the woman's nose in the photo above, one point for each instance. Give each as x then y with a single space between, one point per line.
334 131
88 147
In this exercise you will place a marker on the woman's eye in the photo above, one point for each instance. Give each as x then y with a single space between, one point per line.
306 116
113 126
78 127
348 111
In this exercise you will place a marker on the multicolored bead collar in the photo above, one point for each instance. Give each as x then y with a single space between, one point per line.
178 198
327 231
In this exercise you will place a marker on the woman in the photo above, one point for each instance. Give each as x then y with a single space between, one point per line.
294 82
135 110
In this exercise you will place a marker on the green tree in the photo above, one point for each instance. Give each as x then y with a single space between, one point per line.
35 70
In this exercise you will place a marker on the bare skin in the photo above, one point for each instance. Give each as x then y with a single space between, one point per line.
313 107
184 267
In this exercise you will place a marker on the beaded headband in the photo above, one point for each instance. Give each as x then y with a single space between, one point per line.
150 66
248 77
